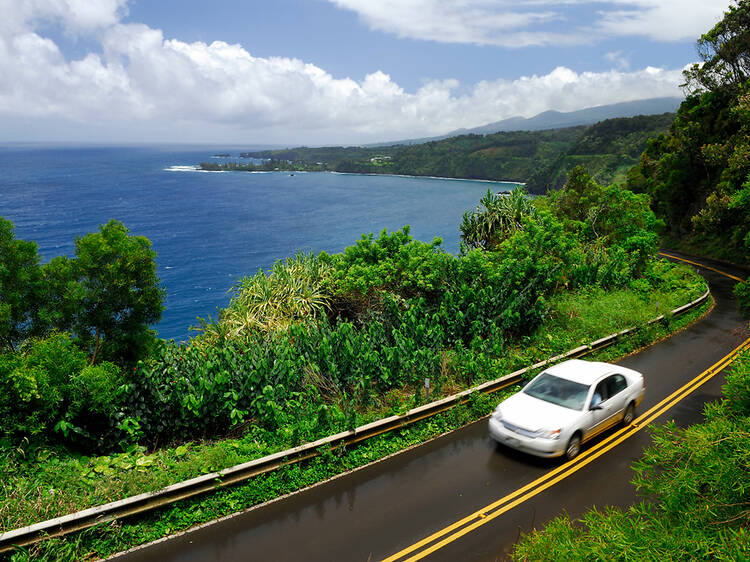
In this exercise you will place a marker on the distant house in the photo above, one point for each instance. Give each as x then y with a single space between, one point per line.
379 159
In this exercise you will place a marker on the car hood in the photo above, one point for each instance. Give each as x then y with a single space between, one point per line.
533 414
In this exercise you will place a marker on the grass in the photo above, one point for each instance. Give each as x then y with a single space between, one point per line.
45 483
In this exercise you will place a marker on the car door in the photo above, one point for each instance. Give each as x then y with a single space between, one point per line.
616 386
598 415
613 400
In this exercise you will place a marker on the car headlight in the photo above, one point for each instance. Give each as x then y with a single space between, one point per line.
549 433
497 415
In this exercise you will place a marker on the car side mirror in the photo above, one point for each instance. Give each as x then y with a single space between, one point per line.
595 407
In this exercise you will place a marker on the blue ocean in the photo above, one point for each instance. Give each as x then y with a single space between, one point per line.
209 229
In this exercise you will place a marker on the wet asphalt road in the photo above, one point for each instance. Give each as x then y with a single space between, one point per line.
381 509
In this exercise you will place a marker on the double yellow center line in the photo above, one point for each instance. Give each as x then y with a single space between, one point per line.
486 514
702 266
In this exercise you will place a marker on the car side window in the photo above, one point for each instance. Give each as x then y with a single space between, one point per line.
616 384
600 394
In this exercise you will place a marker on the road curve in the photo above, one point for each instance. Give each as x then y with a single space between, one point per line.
383 509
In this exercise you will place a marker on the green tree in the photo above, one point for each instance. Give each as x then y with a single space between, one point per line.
113 293
612 212
20 278
697 174
724 52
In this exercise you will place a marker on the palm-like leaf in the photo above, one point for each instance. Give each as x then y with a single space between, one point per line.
293 290
497 217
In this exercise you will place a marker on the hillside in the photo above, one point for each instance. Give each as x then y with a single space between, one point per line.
539 158
607 150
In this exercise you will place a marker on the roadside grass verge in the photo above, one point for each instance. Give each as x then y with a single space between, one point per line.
45 483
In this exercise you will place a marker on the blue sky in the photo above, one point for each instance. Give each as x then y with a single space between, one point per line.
338 41
327 71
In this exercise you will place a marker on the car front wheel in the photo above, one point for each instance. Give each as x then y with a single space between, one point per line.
573 448
629 415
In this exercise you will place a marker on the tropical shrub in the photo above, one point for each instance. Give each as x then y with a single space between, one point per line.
50 391
742 292
498 216
394 263
295 289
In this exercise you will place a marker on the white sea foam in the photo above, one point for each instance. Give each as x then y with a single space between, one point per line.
191 169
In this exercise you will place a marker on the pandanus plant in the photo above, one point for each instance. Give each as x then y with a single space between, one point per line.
497 217
293 290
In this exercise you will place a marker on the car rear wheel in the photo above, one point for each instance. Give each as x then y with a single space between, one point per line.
573 448
629 415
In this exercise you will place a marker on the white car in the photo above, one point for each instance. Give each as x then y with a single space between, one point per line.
565 406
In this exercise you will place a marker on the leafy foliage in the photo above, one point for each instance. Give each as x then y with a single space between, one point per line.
392 262
294 290
57 323
118 293
50 391
20 279
106 296
502 215
742 292
724 52
697 174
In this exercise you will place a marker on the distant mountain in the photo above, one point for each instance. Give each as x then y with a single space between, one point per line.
558 119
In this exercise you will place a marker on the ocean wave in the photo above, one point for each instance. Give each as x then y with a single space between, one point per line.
191 169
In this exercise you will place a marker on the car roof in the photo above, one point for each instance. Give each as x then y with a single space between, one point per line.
584 372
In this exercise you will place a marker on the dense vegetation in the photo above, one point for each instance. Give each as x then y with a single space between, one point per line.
608 150
323 342
316 339
71 330
328 336
539 158
697 173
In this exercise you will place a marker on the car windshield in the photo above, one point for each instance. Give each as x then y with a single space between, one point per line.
558 391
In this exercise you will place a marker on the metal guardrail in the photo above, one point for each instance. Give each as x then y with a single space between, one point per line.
141 503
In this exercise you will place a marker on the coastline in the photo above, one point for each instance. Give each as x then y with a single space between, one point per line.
427 177
407 176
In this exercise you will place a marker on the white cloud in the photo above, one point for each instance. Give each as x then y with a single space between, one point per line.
151 87
522 23
619 59
74 15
